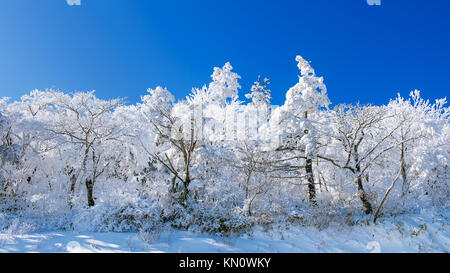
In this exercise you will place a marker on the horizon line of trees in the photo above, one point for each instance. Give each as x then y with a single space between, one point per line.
212 151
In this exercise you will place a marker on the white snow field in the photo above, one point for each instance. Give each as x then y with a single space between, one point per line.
403 234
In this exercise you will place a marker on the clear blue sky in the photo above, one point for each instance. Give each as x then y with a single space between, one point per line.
122 47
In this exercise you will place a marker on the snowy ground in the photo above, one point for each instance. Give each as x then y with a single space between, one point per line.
407 234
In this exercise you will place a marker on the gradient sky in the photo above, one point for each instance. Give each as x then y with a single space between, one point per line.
122 47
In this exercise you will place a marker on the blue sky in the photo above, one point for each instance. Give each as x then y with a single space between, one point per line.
121 47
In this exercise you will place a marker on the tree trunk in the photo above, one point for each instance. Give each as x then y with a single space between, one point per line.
186 189
73 180
384 198
405 185
310 177
362 194
90 190
173 188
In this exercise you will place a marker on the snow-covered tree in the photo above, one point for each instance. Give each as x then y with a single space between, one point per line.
260 93
85 124
297 118
177 137
224 86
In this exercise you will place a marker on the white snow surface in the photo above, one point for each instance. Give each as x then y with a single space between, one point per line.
401 234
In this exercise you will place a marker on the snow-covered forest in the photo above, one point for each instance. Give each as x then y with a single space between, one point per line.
218 163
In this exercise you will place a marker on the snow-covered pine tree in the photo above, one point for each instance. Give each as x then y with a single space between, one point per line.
297 117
